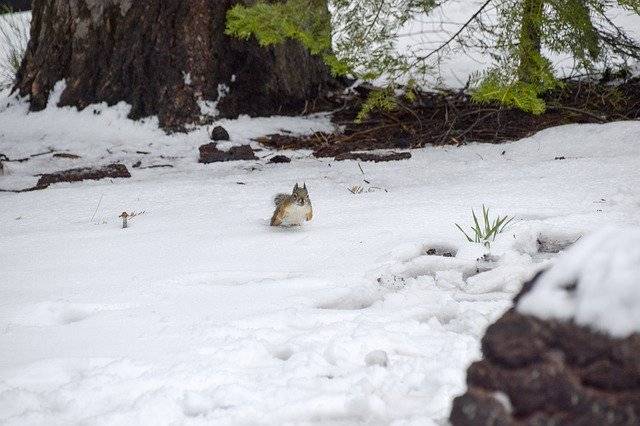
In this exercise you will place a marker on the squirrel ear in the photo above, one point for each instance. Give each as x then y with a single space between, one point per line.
295 187
304 185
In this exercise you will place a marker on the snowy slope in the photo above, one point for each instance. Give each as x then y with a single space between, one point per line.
202 313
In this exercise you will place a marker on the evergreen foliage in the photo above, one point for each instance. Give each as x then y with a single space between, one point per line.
522 74
359 38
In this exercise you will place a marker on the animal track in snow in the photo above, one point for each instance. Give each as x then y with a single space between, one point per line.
360 298
283 353
440 250
72 314
431 264
555 244
60 313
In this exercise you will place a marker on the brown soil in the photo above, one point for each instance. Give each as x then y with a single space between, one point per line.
115 170
451 118
377 158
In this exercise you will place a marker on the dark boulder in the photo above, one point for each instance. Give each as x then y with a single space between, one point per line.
279 159
219 133
539 372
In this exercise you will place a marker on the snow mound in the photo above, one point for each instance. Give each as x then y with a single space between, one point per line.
596 283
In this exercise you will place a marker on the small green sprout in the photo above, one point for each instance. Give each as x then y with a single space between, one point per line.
489 230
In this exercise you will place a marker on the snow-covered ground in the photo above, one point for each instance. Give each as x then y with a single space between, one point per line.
202 313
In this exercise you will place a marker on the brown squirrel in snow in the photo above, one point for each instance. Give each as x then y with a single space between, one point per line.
294 209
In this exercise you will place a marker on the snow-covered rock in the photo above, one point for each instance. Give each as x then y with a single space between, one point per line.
567 353
596 283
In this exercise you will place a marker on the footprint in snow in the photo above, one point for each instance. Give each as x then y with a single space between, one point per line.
59 313
283 353
354 301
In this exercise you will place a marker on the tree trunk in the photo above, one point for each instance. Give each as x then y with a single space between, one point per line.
15 5
163 57
530 44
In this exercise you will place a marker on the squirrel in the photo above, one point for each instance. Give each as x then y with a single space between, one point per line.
294 209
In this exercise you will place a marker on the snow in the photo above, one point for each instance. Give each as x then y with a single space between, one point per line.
200 312
425 33
102 134
379 358
14 35
595 283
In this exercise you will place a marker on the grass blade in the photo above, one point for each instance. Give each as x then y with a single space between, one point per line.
465 234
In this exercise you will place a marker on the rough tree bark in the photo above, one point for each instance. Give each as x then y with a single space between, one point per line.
162 57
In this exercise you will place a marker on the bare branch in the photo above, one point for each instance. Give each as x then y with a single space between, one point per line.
457 33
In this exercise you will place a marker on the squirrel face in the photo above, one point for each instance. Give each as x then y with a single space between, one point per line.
300 196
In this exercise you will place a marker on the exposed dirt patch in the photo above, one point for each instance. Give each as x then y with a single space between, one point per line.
451 118
66 155
115 170
83 173
366 156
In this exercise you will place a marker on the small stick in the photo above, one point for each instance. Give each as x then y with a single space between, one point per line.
96 210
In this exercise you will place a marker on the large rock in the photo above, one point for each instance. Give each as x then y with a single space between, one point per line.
562 355
219 133
276 159
209 153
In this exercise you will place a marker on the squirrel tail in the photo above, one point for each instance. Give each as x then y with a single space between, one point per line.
279 198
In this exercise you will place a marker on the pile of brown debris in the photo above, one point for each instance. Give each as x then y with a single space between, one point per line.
452 118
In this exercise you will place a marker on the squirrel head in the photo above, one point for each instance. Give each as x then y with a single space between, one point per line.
300 195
